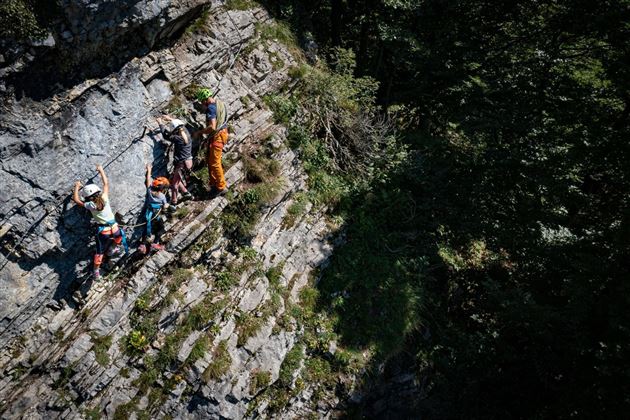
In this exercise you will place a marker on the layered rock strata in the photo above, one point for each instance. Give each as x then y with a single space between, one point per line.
75 361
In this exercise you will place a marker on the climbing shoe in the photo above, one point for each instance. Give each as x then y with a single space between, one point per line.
78 297
117 250
142 248
172 208
56 305
97 274
214 192
157 247
187 196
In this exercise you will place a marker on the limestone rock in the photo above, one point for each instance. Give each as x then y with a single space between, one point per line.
54 136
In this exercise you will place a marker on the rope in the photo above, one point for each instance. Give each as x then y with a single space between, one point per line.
240 47
141 224
53 206
61 199
199 158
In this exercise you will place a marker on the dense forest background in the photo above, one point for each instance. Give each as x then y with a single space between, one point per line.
492 243
487 241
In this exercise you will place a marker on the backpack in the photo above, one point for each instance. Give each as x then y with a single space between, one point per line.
222 115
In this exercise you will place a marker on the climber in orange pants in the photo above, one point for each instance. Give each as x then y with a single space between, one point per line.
216 128
215 167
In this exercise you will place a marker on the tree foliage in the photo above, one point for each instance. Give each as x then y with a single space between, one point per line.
497 253
26 19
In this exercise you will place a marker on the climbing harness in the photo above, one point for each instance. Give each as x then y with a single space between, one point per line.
108 229
61 199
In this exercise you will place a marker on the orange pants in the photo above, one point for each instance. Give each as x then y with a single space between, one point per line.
215 152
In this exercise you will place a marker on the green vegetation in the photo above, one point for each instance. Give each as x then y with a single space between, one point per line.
262 169
276 61
93 413
202 313
220 364
247 326
136 343
246 100
18 372
259 380
181 275
296 210
290 364
283 108
166 359
200 348
242 214
317 370
201 174
176 106
181 212
248 254
123 411
22 20
100 347
240 4
142 303
65 374
59 334
298 72
224 281
273 275
487 242
277 31
350 137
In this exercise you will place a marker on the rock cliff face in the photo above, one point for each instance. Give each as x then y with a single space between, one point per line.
217 311
90 39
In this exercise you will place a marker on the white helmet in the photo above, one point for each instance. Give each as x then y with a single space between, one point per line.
89 190
175 124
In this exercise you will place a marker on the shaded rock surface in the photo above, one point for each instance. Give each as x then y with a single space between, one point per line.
89 39
53 360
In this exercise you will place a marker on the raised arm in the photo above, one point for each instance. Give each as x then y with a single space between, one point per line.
75 194
147 181
101 172
162 126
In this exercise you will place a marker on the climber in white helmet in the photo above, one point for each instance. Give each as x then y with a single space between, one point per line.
175 131
97 202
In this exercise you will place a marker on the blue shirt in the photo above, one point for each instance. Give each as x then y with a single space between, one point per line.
211 112
155 201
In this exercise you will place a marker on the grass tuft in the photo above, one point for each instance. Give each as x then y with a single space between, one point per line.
182 212
274 274
242 214
221 362
259 379
240 4
296 209
290 364
247 326
199 349
100 347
